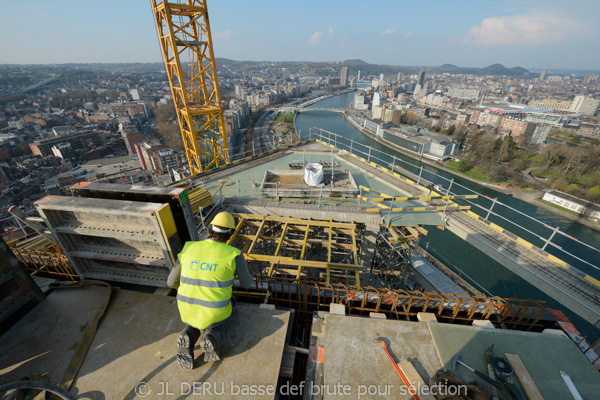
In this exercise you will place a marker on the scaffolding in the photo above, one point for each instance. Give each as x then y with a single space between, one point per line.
302 248
393 248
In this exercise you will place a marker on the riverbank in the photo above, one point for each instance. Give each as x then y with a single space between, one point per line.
528 197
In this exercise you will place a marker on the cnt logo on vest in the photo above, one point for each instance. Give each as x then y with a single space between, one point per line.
195 265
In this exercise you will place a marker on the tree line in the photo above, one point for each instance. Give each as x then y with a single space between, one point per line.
571 169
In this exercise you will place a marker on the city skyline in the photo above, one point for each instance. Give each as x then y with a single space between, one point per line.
531 34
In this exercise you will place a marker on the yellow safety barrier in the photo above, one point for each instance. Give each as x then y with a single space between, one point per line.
557 260
524 242
592 280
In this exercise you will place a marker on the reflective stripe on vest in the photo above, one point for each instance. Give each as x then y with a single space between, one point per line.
202 282
204 303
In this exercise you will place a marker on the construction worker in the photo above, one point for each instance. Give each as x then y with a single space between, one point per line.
203 277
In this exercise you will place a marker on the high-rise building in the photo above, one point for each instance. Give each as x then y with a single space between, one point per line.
131 138
421 78
589 79
344 77
136 94
145 152
358 76
381 78
399 76
543 75
587 106
167 160
376 99
419 91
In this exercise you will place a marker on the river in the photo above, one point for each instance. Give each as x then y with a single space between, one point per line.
490 274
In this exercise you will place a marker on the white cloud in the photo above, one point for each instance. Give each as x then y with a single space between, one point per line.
526 29
315 38
344 41
330 31
389 31
224 35
408 34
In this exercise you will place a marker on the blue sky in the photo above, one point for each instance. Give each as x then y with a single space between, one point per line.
532 34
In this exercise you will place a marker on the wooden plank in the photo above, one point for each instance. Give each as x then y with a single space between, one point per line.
414 378
523 377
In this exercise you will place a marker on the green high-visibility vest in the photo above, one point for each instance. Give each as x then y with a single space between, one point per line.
206 282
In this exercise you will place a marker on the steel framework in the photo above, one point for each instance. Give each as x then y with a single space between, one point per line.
187 49
305 296
276 246
393 249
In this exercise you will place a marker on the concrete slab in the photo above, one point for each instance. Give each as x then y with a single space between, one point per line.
549 331
484 323
136 346
337 309
44 341
353 360
543 355
426 317
133 352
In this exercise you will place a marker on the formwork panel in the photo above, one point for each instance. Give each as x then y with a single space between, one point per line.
183 203
117 240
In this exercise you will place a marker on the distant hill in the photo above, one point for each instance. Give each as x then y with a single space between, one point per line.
224 61
376 69
499 69
355 62
494 69
520 71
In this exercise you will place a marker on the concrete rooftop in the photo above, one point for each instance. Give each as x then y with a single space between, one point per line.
133 351
348 355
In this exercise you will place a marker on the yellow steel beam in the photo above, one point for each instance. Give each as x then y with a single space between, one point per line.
271 268
296 221
408 198
429 208
250 238
256 236
303 252
302 263
281 238
355 251
237 230
329 245
186 43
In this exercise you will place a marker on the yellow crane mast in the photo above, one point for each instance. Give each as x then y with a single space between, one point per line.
186 44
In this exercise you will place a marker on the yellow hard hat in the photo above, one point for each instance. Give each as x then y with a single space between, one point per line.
224 220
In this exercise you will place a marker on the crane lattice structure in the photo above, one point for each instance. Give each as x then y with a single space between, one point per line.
186 44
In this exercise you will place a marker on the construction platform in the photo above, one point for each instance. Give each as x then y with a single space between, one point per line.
576 290
291 184
133 352
346 362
